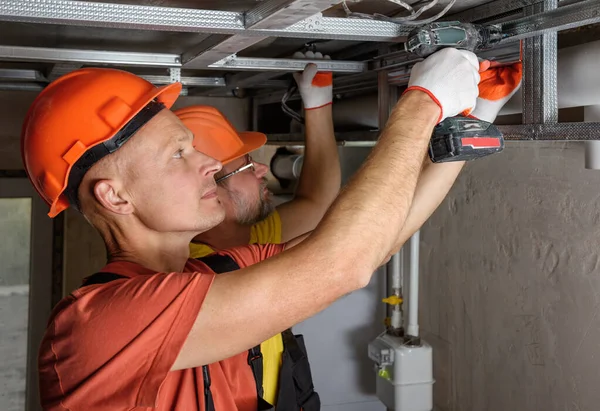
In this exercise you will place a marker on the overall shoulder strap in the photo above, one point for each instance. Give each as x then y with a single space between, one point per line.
101 278
298 379
224 264
209 404
220 263
255 361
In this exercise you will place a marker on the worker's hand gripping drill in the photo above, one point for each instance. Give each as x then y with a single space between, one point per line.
458 138
474 136
450 77
497 86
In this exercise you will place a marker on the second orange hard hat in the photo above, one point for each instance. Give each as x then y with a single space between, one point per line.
215 136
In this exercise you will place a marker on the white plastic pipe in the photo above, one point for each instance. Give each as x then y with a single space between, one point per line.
413 290
592 148
395 265
578 83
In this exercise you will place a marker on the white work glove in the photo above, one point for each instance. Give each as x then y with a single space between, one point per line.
450 77
497 86
316 88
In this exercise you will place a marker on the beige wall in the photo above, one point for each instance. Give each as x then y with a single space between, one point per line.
510 289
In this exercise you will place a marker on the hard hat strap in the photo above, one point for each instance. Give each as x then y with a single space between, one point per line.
99 151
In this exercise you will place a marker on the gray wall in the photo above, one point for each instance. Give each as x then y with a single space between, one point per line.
510 289
337 338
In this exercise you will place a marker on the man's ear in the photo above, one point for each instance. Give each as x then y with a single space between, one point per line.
107 194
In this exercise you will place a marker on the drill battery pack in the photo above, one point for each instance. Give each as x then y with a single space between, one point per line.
464 139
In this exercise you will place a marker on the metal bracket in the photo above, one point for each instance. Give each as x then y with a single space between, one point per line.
540 77
175 73
259 64
314 23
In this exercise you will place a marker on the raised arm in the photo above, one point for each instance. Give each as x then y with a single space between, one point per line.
320 178
496 87
358 233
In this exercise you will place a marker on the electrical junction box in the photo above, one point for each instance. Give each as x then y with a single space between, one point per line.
404 373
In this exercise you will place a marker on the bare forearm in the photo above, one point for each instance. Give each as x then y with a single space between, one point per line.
374 206
321 177
435 182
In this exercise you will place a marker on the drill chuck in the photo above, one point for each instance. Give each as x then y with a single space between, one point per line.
426 40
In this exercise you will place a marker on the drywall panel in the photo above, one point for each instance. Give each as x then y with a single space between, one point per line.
510 290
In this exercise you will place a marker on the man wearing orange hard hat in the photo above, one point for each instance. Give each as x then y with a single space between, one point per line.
157 330
250 216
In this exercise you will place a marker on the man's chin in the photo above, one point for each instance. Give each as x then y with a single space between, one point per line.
212 216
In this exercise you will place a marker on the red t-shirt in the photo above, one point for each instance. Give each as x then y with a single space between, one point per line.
111 346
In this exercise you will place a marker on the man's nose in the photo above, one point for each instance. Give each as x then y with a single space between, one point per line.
261 170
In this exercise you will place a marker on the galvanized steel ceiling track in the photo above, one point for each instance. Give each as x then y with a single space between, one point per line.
157 18
518 132
268 15
561 18
540 74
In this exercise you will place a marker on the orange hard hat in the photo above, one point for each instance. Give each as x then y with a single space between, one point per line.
80 118
215 136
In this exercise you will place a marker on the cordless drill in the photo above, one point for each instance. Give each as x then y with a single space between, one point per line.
458 138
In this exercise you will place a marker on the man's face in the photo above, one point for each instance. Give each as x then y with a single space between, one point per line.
245 194
170 184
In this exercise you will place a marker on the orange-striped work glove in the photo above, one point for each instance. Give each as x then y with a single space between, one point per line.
497 86
450 78
316 88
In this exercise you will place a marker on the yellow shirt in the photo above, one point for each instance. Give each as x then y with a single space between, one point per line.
267 231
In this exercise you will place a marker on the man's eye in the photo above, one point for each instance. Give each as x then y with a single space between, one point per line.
178 154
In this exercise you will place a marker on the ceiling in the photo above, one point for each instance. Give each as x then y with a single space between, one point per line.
68 36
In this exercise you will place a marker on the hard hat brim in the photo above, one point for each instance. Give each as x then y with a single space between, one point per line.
252 140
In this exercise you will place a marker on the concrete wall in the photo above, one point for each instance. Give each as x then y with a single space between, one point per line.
510 290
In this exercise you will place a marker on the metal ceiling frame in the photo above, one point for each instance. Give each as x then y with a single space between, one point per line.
37 76
69 12
298 19
158 18
287 65
270 14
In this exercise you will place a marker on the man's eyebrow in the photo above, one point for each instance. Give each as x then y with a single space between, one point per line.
184 137
180 138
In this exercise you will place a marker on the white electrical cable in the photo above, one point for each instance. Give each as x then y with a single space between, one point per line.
407 20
